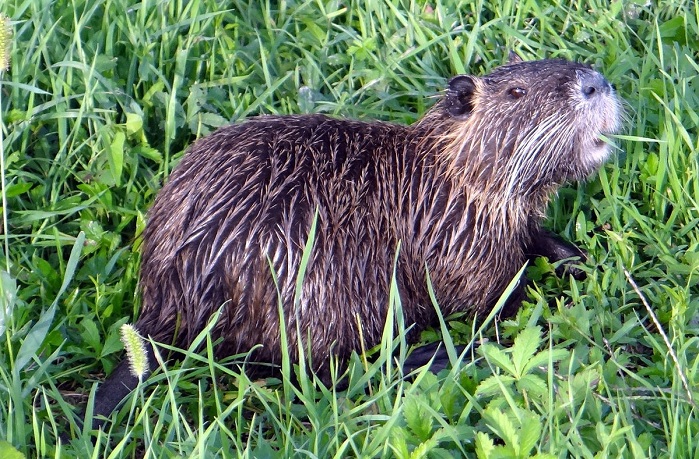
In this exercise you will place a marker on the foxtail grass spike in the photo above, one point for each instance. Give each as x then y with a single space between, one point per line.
135 351
5 41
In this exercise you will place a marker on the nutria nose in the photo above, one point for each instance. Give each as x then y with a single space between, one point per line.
593 84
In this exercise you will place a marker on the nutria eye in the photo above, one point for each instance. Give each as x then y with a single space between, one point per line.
517 93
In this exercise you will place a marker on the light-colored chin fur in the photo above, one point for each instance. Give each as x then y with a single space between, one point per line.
596 155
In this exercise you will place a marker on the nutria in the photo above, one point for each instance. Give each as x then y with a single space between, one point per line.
459 194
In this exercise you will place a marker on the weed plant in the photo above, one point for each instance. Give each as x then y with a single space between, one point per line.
103 97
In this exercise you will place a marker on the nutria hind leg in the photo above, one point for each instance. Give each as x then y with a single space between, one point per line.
421 356
550 245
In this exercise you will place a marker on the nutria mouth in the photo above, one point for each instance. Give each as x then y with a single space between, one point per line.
598 152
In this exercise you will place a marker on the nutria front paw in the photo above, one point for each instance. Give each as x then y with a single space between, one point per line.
573 268
550 245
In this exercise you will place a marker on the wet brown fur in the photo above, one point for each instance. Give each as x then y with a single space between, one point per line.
459 193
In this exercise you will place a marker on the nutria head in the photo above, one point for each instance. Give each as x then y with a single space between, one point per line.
527 126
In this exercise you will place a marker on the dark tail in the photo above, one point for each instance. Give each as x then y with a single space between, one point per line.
112 392
116 387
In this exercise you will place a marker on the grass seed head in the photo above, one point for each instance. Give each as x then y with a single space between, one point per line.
135 350
5 41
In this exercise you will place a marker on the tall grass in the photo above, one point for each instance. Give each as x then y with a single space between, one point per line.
102 98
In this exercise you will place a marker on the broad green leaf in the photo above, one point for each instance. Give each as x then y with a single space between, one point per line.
398 443
134 123
423 449
534 385
7 451
91 334
8 297
116 156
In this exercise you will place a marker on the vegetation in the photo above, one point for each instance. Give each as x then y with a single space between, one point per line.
102 98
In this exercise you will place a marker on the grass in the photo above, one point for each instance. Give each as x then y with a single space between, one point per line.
101 100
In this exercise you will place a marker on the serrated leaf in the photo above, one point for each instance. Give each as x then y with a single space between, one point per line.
494 385
458 433
534 385
526 344
484 446
422 449
441 453
264 449
497 357
194 102
451 398
530 433
398 443
544 357
417 419
149 153
213 120
502 426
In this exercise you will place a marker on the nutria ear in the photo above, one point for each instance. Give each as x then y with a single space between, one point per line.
514 58
459 98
